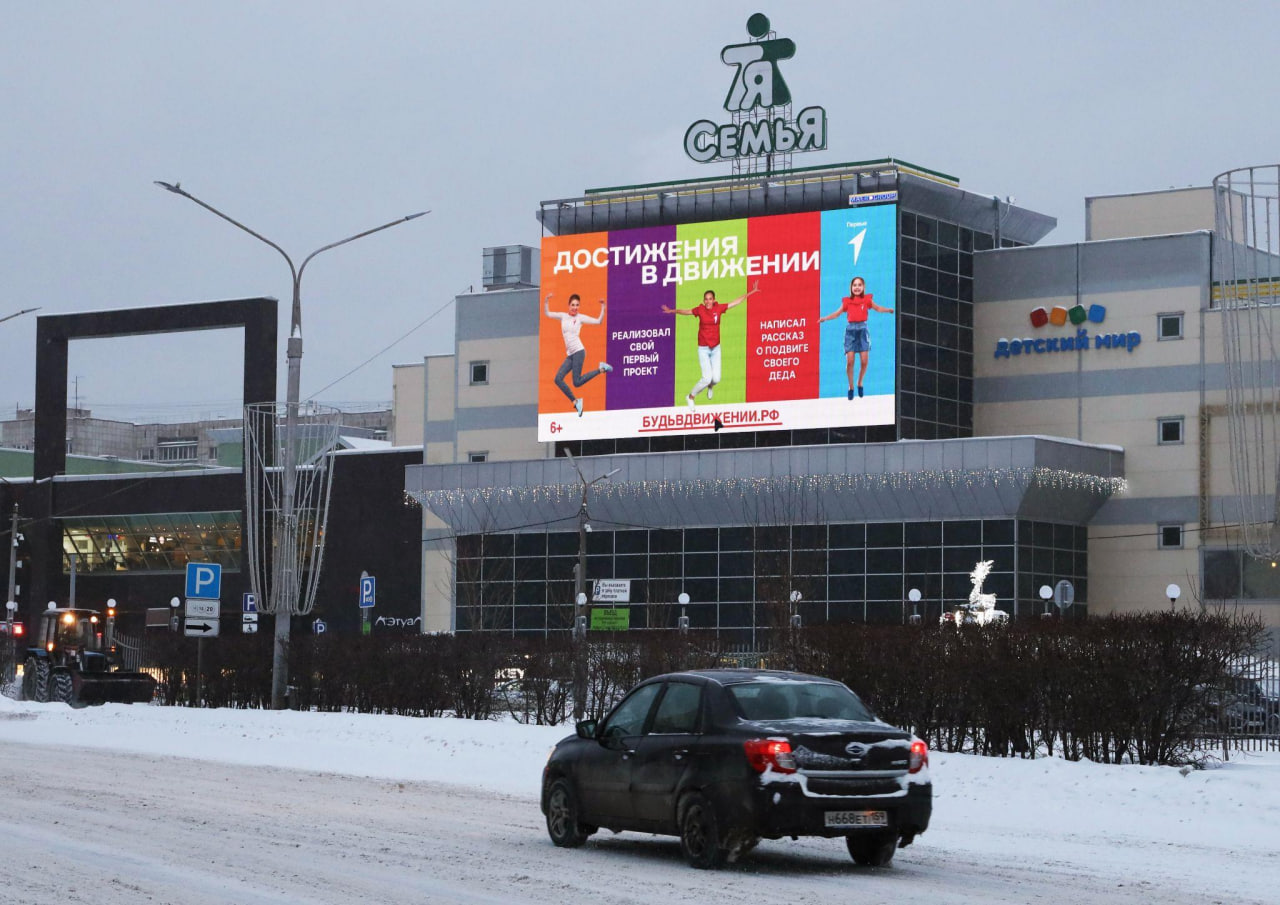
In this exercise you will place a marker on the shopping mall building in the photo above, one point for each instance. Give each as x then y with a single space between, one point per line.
840 393
1058 410
1055 410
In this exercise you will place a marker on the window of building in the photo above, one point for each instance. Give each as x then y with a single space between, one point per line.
1169 430
155 542
479 373
740 577
474 457
178 449
1170 537
1169 326
1234 574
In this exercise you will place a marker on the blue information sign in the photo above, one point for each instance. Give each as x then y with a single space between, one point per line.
368 591
204 580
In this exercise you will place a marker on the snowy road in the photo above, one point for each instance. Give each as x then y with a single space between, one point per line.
106 828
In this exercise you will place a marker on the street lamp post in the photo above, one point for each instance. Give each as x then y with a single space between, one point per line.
580 592
289 582
13 559
1173 592
1046 594
11 665
682 627
914 596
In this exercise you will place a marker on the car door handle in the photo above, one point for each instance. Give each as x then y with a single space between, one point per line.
680 753
628 752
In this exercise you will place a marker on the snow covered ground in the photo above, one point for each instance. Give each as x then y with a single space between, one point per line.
157 804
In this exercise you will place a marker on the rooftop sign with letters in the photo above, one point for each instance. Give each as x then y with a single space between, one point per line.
759 101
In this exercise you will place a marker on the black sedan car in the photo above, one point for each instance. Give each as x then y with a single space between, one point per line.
725 757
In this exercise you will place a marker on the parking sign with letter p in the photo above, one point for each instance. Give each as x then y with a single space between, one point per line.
204 580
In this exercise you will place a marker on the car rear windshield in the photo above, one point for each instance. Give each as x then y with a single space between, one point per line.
789 700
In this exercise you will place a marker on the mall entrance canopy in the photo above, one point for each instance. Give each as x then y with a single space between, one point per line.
1039 478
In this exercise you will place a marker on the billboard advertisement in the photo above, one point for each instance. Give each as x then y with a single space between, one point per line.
782 322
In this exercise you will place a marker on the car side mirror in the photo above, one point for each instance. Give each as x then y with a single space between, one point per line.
586 729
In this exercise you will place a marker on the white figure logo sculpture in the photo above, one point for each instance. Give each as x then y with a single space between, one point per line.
978 601
981 608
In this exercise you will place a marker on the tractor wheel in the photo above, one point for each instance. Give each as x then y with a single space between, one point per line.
42 681
63 689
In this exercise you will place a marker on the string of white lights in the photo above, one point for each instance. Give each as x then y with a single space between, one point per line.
680 490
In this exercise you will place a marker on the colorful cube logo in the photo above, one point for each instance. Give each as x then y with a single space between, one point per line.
1059 315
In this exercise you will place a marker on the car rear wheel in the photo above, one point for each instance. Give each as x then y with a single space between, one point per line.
872 851
700 834
562 816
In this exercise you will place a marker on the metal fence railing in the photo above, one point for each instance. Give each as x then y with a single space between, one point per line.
1244 713
131 651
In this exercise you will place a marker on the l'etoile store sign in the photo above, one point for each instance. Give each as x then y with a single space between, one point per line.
759 100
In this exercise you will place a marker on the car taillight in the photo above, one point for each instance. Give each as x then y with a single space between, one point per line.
17 629
919 757
770 753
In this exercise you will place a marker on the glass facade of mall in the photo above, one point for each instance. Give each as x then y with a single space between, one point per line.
155 542
740 576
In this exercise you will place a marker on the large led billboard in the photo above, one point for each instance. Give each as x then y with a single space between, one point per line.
782 322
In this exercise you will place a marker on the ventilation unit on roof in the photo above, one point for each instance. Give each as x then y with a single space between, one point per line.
510 267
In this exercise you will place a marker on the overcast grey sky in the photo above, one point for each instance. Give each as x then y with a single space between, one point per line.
313 121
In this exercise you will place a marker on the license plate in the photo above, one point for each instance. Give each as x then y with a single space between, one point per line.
857 818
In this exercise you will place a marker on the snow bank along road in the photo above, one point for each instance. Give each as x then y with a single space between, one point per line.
107 826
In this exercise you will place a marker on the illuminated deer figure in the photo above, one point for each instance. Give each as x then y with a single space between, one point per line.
981 608
978 601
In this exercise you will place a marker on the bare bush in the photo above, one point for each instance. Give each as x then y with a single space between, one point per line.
1118 689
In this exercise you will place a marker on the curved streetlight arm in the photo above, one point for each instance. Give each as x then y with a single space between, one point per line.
177 189
9 317
603 477
367 232
296 326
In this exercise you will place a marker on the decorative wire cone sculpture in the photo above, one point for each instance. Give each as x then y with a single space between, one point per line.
286 519
1247 288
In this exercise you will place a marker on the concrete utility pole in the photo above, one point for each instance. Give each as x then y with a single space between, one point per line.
287 601
11 605
13 561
